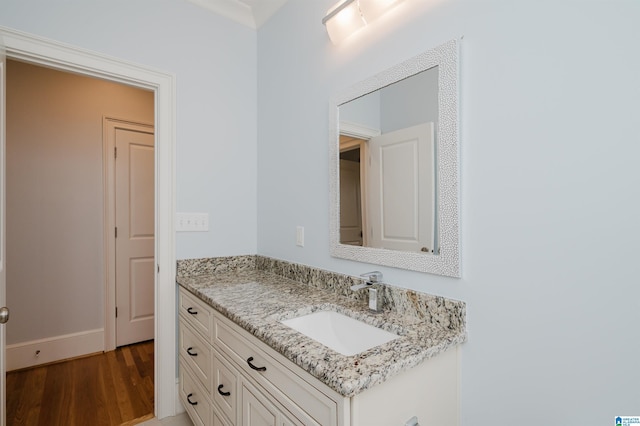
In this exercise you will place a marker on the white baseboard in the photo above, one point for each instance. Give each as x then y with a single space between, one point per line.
23 355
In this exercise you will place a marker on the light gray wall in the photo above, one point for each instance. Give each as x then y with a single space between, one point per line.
410 102
364 111
214 60
550 93
55 245
406 103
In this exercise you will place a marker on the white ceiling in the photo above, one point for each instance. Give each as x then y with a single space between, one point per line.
252 13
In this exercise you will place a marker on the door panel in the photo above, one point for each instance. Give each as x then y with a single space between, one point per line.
135 262
402 174
141 288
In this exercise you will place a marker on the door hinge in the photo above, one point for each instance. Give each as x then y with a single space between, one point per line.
116 234
158 268
115 152
116 312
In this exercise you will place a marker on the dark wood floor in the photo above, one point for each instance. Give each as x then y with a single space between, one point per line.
113 388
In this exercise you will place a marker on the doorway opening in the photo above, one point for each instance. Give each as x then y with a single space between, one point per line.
57 254
353 191
32 49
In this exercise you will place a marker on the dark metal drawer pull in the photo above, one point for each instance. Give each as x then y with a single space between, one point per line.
189 400
223 393
191 311
189 351
253 366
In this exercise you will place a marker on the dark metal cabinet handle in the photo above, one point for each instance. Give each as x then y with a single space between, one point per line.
223 393
191 353
189 400
191 311
253 366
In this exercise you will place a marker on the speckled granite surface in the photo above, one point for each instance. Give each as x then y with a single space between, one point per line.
208 266
248 291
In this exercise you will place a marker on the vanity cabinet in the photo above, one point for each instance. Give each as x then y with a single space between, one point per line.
228 377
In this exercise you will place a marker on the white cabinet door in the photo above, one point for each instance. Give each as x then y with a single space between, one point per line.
256 410
217 420
286 422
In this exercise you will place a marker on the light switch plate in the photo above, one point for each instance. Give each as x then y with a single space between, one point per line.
192 222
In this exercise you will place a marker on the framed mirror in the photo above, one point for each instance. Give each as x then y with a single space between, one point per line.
394 166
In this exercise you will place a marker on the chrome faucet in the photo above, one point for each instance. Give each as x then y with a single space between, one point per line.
373 283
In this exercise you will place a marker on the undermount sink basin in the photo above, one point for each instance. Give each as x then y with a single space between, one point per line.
339 332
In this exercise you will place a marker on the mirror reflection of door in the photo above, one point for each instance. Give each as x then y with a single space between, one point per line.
401 189
387 190
352 190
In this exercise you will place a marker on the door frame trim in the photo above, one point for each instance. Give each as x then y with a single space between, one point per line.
3 366
37 50
359 131
108 145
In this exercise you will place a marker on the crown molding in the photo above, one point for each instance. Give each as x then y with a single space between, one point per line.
250 13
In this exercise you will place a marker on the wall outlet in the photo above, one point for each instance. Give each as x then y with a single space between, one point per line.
192 222
300 236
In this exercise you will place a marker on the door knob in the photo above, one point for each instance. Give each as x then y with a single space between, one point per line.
4 315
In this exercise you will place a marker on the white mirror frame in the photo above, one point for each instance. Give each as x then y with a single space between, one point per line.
447 263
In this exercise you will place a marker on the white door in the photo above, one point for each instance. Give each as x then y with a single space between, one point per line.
3 398
401 189
135 261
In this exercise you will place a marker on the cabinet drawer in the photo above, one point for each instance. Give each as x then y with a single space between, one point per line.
194 397
197 354
225 384
304 401
197 313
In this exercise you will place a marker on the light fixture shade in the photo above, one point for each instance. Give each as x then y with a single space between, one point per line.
348 16
373 9
345 22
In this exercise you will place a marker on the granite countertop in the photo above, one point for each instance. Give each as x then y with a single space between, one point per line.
257 300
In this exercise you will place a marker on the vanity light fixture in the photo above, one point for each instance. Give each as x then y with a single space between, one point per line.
348 16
